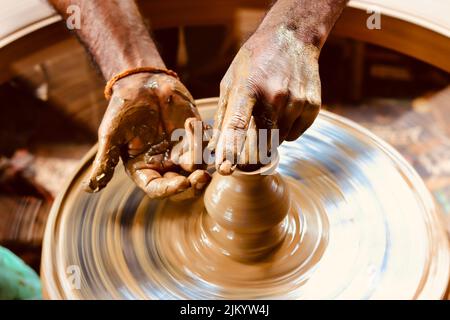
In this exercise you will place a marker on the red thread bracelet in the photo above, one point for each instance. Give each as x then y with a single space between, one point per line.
113 80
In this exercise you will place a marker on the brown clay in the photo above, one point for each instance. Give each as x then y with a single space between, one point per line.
347 232
246 211
246 232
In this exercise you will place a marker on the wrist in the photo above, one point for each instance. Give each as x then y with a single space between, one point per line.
310 21
281 38
134 78
129 58
294 31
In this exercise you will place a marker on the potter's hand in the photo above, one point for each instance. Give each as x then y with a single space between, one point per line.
274 78
144 110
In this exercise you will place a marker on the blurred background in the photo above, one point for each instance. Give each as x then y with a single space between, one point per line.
51 98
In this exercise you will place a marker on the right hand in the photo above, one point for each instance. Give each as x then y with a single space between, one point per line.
272 83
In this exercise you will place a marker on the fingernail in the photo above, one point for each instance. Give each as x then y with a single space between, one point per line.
225 167
89 186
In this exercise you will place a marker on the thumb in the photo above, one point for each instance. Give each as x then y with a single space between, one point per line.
188 153
103 166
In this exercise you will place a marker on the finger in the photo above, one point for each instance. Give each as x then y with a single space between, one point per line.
249 154
306 119
188 153
312 102
234 129
156 186
166 187
287 119
103 166
218 118
198 180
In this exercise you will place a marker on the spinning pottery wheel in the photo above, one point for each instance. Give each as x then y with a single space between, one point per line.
343 217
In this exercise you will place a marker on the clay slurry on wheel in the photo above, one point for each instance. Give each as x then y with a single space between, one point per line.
360 224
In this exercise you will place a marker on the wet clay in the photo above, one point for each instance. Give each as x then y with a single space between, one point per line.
246 234
359 225
246 212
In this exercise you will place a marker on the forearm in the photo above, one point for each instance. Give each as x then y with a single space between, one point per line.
310 20
114 34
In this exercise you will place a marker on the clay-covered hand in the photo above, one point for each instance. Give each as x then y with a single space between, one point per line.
274 78
143 112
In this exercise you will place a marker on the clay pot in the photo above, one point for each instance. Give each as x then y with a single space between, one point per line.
246 211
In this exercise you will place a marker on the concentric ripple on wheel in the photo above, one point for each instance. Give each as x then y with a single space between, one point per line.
363 226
